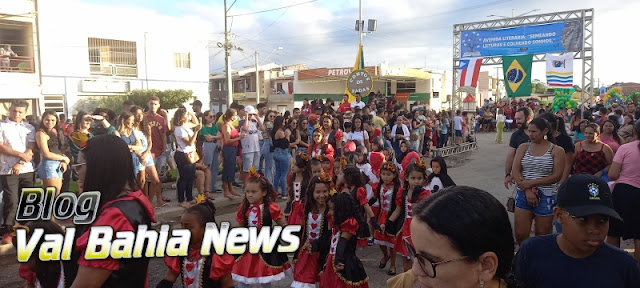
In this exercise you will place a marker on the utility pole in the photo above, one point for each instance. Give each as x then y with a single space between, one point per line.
257 81
227 50
360 24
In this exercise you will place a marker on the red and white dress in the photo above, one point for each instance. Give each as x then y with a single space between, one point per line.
196 268
30 276
319 150
361 198
306 272
260 268
296 211
403 201
384 202
353 274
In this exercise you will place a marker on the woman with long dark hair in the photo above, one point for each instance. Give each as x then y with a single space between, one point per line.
186 140
537 167
147 167
291 132
54 151
281 156
476 251
562 139
592 156
230 140
303 132
610 136
105 165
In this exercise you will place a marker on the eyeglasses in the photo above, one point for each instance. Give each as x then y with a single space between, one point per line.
429 270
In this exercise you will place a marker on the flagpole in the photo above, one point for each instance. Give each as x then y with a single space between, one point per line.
360 24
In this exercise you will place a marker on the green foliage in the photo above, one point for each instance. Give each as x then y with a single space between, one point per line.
169 99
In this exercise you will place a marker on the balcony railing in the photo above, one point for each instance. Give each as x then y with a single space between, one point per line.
108 69
17 64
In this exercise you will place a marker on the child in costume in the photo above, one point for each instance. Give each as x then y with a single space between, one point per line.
315 240
354 182
38 273
439 178
300 174
386 192
343 268
197 270
258 209
412 193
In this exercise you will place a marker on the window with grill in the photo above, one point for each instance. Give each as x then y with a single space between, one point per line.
110 57
182 60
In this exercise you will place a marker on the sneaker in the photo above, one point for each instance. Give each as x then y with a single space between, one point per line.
218 190
7 239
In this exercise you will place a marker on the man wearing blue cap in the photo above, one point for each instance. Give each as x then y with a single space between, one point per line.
579 256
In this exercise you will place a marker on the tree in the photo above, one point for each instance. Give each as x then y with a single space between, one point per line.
169 99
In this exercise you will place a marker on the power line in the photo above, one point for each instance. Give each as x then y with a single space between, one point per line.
274 9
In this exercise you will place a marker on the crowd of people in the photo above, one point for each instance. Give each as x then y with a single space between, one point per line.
351 177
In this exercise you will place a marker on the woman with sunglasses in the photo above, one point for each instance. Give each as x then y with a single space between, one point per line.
474 252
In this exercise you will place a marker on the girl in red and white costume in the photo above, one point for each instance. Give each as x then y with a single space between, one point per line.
319 145
343 268
414 192
196 270
315 243
258 209
298 180
38 273
386 192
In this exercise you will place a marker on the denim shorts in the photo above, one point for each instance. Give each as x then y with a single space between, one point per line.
459 133
49 169
250 159
544 208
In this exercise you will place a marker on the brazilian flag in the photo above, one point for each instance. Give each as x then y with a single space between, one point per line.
517 74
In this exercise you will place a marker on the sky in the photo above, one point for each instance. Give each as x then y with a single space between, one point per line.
410 33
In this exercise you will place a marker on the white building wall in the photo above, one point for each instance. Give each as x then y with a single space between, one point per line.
64 37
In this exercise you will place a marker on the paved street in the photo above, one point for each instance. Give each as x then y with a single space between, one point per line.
482 168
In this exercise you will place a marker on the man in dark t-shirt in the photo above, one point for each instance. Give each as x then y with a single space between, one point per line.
523 117
579 256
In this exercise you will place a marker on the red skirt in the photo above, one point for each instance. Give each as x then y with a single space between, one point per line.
331 279
251 269
406 232
297 213
383 238
306 271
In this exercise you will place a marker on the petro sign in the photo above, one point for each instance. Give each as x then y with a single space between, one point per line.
359 81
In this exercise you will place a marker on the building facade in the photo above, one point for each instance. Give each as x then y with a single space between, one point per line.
19 59
88 58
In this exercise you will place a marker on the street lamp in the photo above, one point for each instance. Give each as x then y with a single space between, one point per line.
372 25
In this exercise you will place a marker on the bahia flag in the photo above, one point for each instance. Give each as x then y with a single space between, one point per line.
468 74
517 74
560 70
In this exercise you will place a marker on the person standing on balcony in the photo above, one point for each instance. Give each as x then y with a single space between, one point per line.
5 57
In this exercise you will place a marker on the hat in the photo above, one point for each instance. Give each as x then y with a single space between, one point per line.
196 103
250 110
583 195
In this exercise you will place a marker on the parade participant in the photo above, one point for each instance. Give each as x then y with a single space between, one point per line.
389 155
331 131
315 166
355 184
338 174
523 117
297 183
54 151
186 139
319 145
362 162
386 192
475 251
281 155
408 156
327 164
196 270
38 273
230 140
585 210
343 268
258 210
537 167
376 157
147 166
315 240
626 193
439 178
105 165
411 194
592 156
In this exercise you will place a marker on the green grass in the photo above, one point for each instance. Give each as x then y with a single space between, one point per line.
73 186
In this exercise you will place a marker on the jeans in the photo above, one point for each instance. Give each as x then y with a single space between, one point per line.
161 164
282 157
442 140
212 159
261 165
187 176
268 160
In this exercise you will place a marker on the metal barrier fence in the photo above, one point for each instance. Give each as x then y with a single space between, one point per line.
457 149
